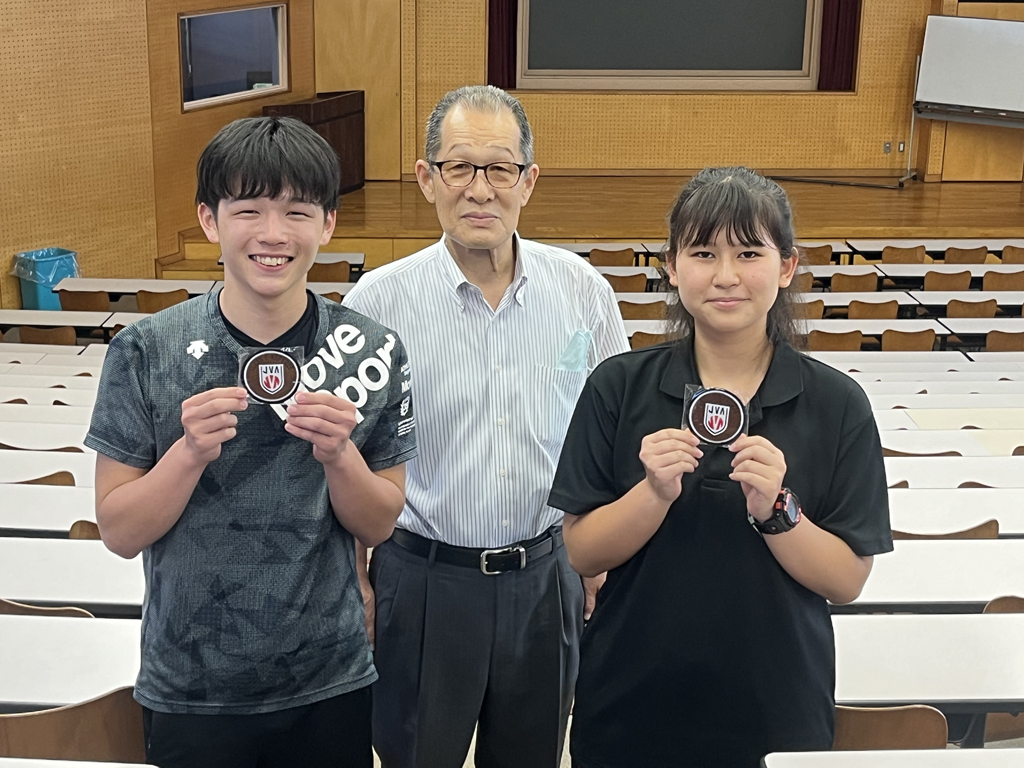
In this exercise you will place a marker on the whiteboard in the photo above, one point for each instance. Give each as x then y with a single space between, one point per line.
973 63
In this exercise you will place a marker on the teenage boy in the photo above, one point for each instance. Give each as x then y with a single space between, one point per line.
254 651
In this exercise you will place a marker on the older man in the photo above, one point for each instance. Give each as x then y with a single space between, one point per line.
478 614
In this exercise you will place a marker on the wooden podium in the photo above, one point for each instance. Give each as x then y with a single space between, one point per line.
338 117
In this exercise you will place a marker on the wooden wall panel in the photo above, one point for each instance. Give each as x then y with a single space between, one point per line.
358 47
653 132
1006 11
178 137
75 143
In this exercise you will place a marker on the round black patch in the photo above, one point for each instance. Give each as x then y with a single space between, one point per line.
716 416
270 376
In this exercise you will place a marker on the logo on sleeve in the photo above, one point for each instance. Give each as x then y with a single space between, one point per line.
197 348
404 407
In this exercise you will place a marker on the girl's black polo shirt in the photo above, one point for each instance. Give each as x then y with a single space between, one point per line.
702 649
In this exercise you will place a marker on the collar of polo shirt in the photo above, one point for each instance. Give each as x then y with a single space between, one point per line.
456 279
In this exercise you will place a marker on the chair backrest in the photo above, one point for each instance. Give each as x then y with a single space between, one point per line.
627 283
1001 726
1005 604
338 272
1013 254
987 530
653 310
912 727
823 341
334 296
803 282
84 529
908 341
64 335
108 728
864 310
151 302
893 255
854 283
817 254
1003 281
966 255
809 310
84 301
957 308
11 608
57 478
601 258
943 281
639 340
1001 341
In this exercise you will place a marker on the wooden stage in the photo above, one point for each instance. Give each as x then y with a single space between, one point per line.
388 220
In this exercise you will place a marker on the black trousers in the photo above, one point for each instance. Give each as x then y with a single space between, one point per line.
458 650
333 733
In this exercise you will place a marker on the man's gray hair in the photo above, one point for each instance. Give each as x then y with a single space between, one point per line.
479 98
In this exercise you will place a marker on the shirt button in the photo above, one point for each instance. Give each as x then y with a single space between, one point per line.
501 422
501 472
497 368
505 523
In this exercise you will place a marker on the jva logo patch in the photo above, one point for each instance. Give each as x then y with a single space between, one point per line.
716 418
272 378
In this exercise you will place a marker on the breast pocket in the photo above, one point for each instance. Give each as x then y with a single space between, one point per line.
557 393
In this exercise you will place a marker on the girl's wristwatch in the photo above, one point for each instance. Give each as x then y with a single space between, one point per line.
785 515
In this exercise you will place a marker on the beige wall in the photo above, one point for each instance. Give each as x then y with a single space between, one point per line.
179 138
75 142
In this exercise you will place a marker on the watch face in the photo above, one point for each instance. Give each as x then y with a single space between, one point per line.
792 509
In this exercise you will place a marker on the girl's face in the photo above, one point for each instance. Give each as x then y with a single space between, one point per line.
728 289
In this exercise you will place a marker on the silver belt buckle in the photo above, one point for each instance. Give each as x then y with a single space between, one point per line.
506 550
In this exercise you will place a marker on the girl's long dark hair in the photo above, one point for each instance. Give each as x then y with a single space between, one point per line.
748 208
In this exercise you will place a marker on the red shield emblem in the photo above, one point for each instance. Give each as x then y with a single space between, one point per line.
272 377
716 417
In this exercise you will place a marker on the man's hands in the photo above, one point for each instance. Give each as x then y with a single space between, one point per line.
323 419
760 469
667 455
209 421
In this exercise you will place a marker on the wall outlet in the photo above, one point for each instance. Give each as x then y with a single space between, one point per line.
902 146
887 147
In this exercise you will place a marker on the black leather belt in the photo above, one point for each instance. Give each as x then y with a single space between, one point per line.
490 561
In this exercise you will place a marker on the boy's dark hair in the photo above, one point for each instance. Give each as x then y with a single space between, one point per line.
747 207
264 156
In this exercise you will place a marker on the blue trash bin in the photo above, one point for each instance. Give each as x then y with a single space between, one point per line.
39 271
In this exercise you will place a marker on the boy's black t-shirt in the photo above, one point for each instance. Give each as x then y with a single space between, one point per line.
702 650
302 334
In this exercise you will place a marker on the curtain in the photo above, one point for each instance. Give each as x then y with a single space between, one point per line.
839 25
502 20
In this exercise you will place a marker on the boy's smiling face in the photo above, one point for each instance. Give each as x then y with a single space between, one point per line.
268 244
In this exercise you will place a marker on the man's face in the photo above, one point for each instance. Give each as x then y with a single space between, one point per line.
267 244
478 216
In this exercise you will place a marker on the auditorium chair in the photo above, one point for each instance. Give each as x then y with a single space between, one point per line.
11 608
868 310
854 283
823 341
652 310
639 340
803 282
57 478
1002 726
105 729
84 301
957 308
1001 341
893 255
987 530
84 529
809 310
64 335
1003 281
912 727
1013 254
151 302
334 296
817 254
966 255
624 258
944 281
627 283
338 272
908 341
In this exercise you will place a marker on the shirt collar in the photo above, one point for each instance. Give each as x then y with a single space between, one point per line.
455 279
782 382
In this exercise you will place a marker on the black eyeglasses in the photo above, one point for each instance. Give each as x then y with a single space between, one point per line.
459 173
